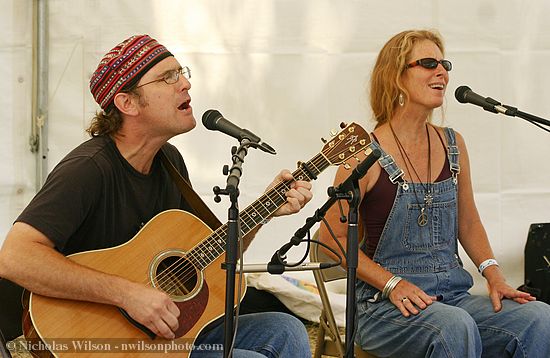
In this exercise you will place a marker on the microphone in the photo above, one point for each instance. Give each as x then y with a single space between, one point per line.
213 120
464 94
277 269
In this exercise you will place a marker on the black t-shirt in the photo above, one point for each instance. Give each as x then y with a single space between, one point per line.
95 199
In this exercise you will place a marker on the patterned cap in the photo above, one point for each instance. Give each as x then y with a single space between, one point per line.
123 66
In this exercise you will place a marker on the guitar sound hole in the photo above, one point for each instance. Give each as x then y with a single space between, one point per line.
176 276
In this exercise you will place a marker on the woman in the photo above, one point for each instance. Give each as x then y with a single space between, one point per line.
415 207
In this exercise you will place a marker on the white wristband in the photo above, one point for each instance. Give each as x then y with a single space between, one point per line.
485 264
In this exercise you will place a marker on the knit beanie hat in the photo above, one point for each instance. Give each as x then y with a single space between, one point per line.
123 66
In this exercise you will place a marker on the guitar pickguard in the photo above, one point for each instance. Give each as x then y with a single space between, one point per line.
192 310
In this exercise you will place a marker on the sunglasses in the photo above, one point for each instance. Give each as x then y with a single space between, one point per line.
431 63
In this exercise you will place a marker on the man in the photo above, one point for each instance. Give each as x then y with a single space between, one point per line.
103 192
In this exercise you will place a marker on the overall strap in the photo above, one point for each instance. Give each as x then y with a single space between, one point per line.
387 163
192 198
452 151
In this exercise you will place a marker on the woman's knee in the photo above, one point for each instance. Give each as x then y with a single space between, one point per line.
456 333
456 321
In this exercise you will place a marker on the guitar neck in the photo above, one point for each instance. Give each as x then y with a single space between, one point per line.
214 245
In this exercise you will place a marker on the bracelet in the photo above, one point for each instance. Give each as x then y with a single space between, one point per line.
485 264
390 285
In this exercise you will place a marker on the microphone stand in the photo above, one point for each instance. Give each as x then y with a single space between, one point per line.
514 112
350 191
233 236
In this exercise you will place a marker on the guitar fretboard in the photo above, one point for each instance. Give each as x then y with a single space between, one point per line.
214 245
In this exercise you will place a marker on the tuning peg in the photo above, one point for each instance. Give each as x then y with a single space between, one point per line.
343 125
333 132
323 140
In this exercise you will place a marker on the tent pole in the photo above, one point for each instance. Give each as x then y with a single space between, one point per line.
39 133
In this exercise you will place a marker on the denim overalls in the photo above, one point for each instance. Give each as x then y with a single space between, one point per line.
458 325
423 255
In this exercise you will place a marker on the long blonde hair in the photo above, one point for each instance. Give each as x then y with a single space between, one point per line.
385 82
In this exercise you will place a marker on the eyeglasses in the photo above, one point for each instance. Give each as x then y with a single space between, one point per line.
431 63
172 76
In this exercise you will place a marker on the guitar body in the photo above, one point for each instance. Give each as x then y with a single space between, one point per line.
162 241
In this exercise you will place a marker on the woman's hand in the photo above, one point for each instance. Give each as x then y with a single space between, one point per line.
407 297
500 289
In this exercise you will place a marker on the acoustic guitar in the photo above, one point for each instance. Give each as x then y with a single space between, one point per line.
174 252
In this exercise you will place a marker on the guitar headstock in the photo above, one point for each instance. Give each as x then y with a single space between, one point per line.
345 144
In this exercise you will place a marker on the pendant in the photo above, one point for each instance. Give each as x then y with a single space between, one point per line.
422 219
428 199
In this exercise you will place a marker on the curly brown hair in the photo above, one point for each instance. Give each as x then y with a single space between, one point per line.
385 82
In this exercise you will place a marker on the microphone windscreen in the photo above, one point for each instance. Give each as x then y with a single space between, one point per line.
461 92
209 118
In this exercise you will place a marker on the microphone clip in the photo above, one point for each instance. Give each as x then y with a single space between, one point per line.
262 146
279 257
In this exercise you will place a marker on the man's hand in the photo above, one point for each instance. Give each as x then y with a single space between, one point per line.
298 195
152 308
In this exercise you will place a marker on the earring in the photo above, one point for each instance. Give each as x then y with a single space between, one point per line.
401 100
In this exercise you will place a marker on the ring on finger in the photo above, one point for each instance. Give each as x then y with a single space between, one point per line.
404 299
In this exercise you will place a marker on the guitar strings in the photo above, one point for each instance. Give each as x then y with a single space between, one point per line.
188 268
222 231
185 269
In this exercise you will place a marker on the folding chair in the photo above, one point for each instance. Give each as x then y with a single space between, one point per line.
329 339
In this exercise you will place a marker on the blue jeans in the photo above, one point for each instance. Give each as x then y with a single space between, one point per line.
271 334
463 326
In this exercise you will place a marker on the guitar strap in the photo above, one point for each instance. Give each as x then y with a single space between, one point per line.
192 198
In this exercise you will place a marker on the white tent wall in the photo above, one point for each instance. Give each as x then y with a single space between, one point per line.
290 71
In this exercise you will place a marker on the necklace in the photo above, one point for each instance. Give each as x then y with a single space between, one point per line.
422 219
